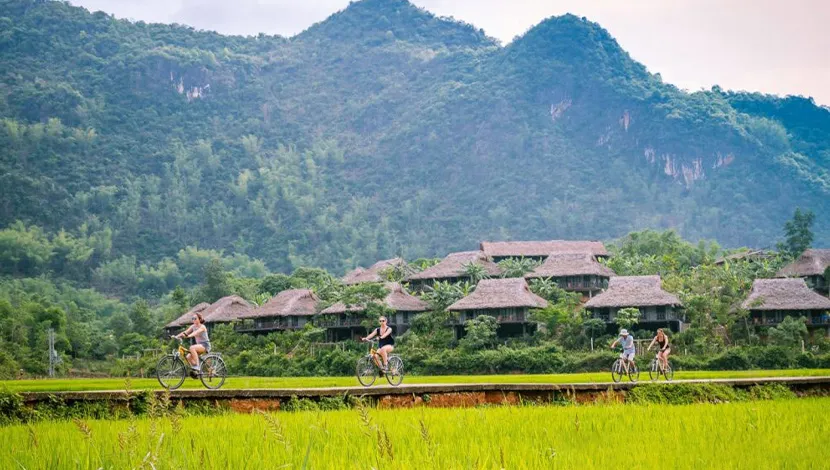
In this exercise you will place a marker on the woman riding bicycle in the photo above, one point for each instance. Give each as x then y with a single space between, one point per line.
199 331
663 348
386 342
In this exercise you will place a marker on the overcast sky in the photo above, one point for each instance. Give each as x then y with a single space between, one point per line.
773 46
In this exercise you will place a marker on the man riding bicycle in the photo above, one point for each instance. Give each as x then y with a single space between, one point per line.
627 342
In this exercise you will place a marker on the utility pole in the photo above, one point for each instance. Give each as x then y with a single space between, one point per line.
54 359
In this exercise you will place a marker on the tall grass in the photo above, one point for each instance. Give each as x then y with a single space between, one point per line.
302 382
767 434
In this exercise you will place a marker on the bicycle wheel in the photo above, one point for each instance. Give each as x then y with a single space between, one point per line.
669 372
633 372
654 370
394 372
171 372
366 371
212 372
617 371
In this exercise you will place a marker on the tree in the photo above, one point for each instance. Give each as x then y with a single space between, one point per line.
517 267
627 317
141 319
180 298
475 272
120 324
273 284
217 283
480 333
790 332
442 294
591 326
798 232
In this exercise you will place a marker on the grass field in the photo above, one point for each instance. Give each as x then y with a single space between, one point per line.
761 434
302 382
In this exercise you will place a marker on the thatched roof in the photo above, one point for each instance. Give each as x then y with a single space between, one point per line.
570 264
633 291
398 299
184 319
299 302
453 266
372 273
812 262
226 309
500 293
542 248
784 294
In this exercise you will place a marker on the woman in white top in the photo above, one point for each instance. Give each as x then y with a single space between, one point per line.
202 346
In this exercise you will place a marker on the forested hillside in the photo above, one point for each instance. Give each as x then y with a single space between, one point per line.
381 131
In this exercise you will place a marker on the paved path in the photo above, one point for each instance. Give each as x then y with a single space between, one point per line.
420 389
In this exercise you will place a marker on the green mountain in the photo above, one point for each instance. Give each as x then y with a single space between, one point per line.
380 131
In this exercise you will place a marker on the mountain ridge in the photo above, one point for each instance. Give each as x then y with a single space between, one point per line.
338 149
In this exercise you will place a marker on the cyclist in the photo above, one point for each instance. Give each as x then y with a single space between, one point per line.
663 350
386 342
202 346
627 342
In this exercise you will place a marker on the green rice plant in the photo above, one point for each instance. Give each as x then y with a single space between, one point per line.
778 433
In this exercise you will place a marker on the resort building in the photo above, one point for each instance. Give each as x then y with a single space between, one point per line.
225 310
771 300
508 300
575 272
812 265
658 308
539 250
289 310
185 320
373 273
347 322
452 269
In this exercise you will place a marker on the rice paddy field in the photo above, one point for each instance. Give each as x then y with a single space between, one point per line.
56 385
785 433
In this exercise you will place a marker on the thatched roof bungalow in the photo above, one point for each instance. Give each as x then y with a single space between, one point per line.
226 310
405 305
290 309
576 272
373 273
645 293
773 299
498 251
811 265
452 268
185 319
508 300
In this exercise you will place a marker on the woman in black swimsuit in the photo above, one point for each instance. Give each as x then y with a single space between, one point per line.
663 348
386 342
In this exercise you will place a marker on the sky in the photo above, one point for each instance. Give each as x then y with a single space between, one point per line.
771 46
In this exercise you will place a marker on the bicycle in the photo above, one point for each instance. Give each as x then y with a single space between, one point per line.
618 371
172 369
656 369
367 369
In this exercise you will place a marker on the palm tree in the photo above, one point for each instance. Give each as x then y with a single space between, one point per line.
518 267
475 272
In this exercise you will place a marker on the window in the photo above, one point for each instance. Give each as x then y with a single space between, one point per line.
661 313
